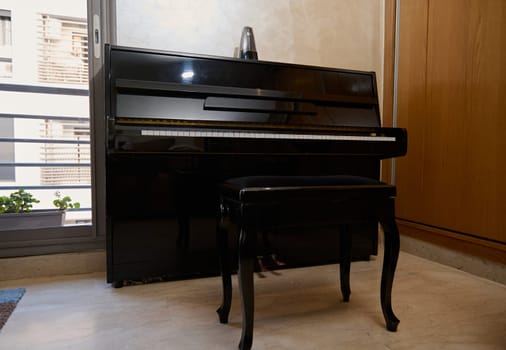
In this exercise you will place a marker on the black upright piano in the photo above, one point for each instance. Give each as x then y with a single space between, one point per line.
179 124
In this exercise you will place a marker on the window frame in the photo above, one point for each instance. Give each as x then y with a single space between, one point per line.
101 25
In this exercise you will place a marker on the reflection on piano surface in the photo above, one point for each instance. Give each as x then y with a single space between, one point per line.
179 124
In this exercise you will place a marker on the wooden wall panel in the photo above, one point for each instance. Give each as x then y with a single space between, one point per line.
452 99
411 107
388 79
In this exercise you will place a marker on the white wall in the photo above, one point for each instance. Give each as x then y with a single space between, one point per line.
333 33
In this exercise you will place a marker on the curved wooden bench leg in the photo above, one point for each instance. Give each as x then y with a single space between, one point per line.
345 262
245 274
387 277
222 243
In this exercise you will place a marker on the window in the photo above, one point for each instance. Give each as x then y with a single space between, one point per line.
5 44
45 136
46 144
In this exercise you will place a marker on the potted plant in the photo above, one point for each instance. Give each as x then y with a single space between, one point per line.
16 211
64 203
17 202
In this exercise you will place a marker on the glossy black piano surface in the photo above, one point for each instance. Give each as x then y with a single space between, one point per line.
178 124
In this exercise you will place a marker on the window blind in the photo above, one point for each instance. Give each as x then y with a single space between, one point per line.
63 50
77 154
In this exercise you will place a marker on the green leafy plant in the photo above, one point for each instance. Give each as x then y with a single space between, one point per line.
63 203
17 202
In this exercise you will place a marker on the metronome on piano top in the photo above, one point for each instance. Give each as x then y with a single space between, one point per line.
247 48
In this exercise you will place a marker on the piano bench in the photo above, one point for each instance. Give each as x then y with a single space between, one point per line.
256 203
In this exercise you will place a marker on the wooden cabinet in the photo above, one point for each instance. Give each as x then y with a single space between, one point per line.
452 100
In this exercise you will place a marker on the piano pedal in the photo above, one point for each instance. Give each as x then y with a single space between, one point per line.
276 261
262 267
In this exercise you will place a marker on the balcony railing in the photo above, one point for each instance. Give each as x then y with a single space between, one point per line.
48 152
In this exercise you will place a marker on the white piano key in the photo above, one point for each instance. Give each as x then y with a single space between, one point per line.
260 135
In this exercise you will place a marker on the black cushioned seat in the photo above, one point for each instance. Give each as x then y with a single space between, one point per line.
257 203
269 188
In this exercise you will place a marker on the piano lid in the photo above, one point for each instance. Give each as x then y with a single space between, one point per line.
149 85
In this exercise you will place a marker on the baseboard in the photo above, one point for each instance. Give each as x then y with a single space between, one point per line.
467 244
52 265
95 261
478 258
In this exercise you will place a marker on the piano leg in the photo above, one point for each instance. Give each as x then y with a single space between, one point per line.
345 262
222 243
387 277
246 266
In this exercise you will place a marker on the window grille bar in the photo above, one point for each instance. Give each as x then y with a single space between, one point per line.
44 89
79 209
47 187
58 141
46 165
44 117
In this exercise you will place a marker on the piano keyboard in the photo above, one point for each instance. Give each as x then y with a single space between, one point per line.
264 135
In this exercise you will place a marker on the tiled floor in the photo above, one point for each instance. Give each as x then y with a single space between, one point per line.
439 308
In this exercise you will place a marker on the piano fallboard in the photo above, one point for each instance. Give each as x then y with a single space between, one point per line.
359 142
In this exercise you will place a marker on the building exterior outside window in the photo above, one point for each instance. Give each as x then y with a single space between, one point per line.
5 44
6 126
63 55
